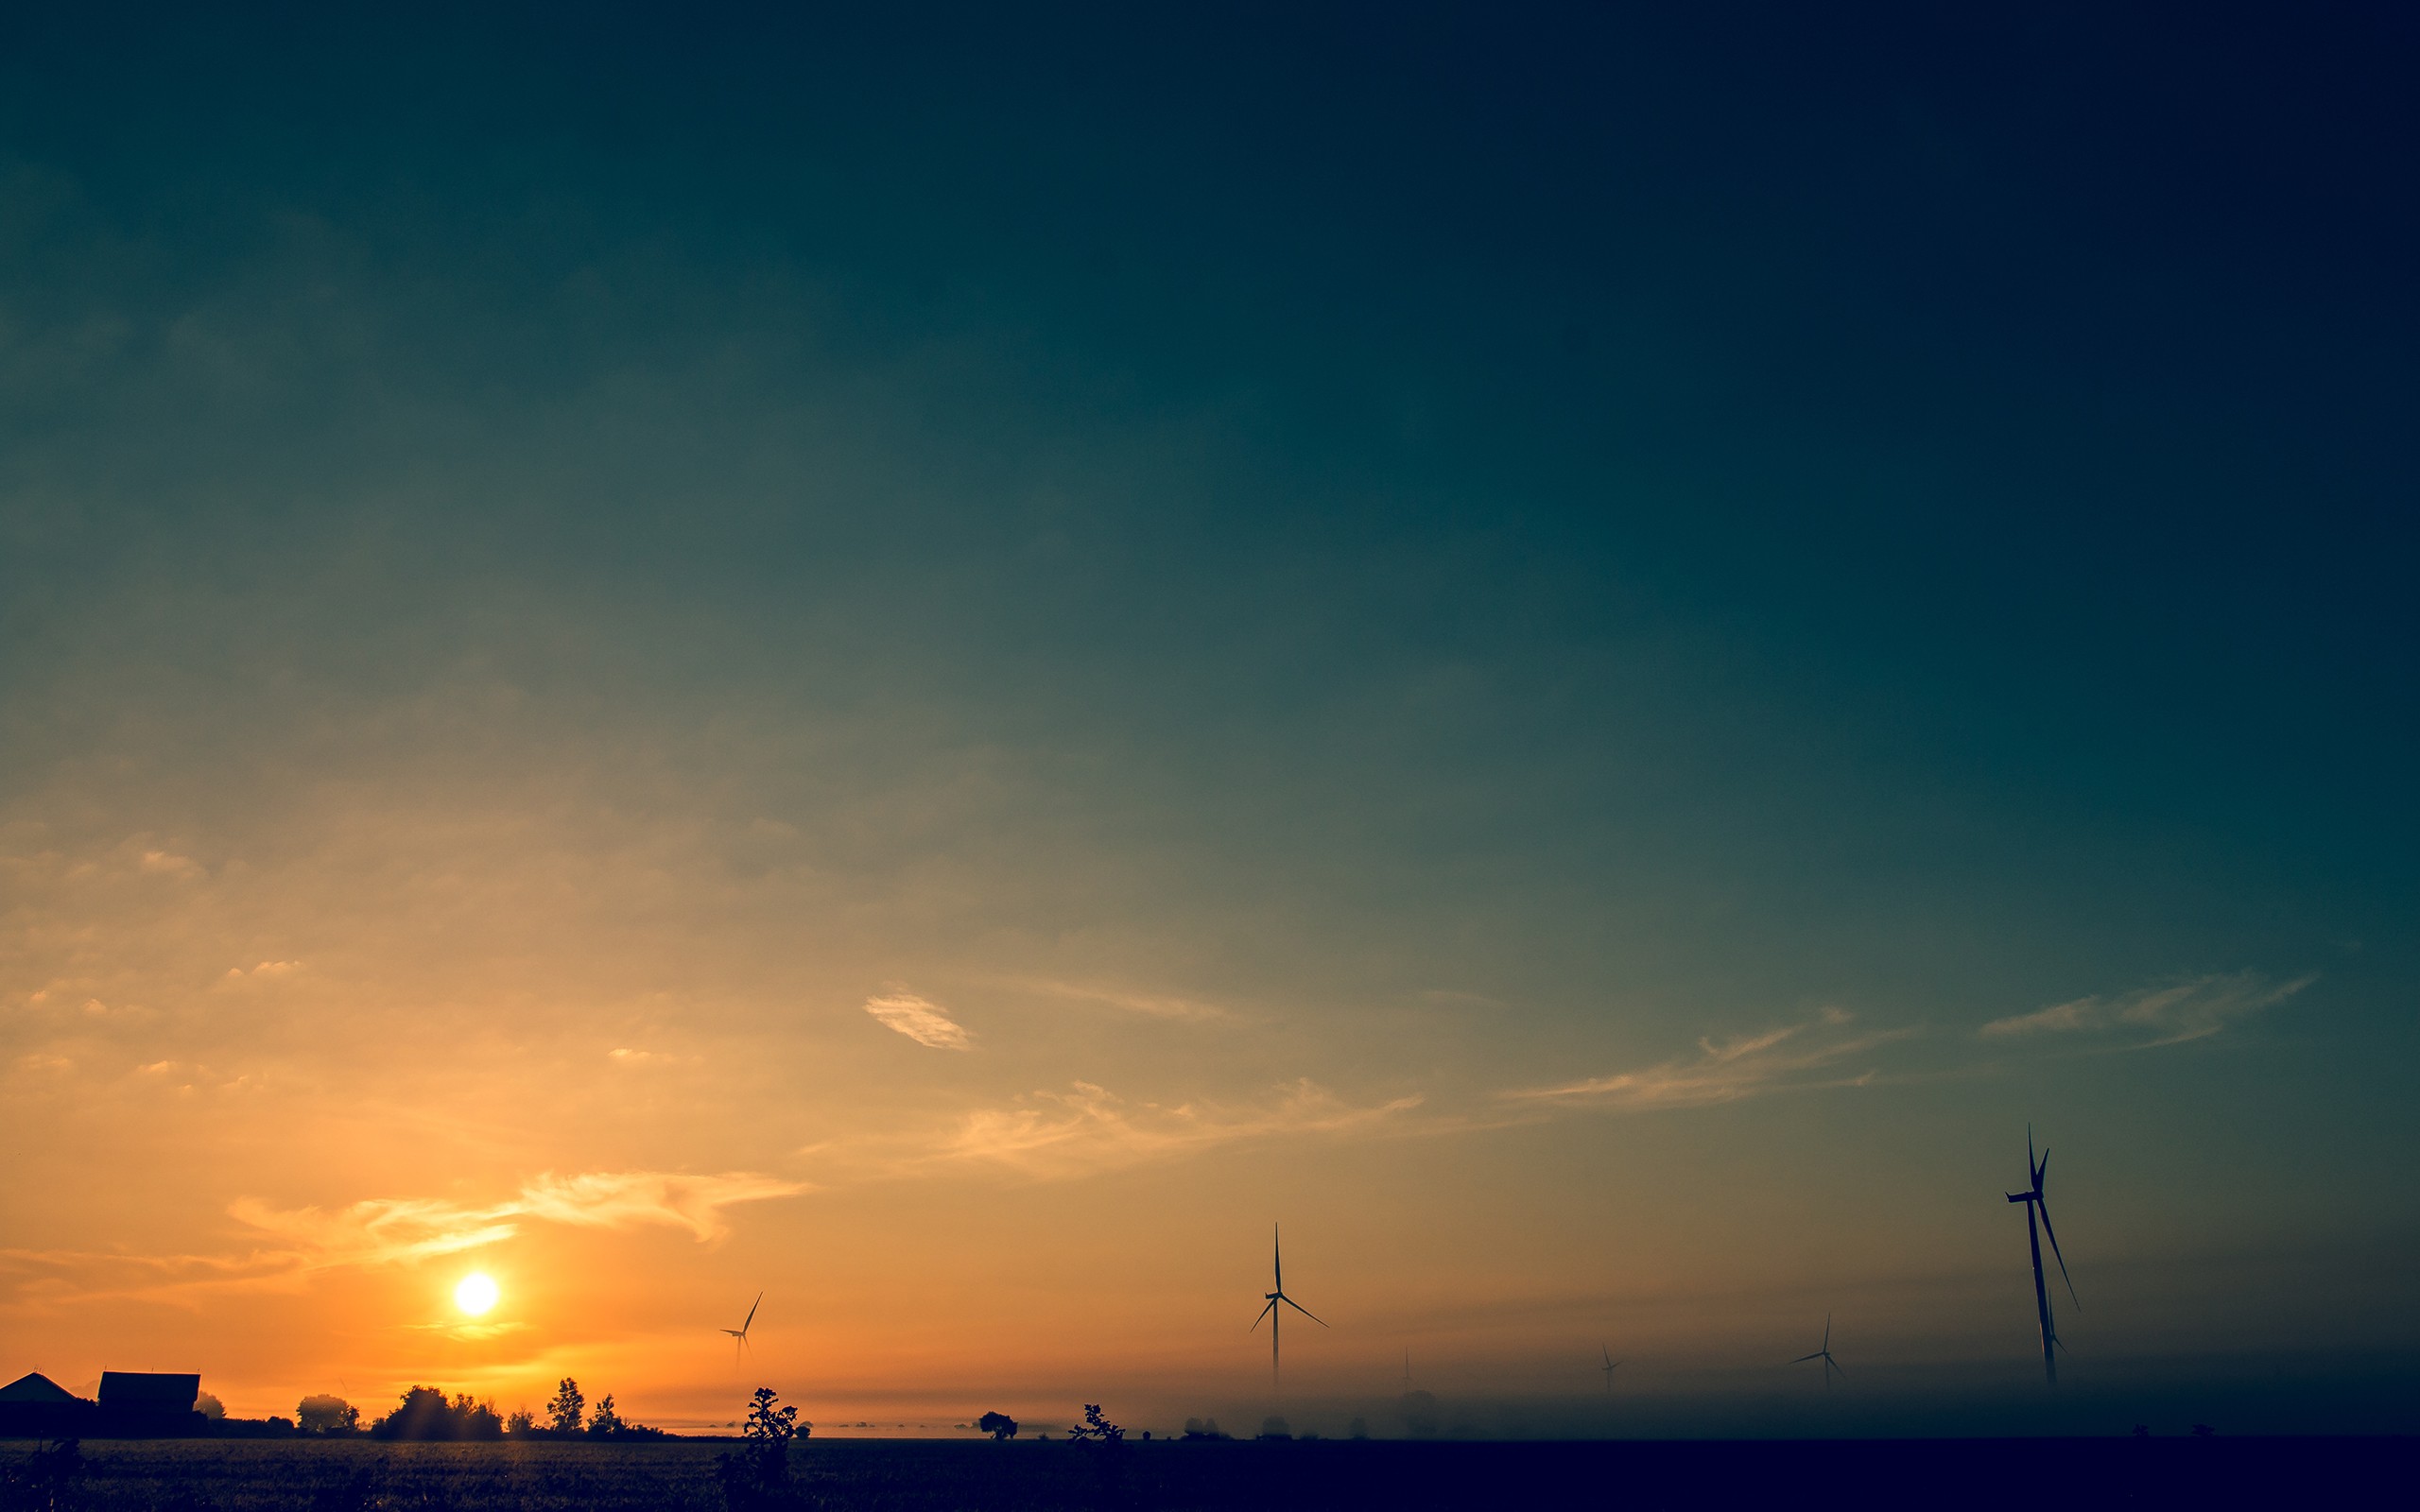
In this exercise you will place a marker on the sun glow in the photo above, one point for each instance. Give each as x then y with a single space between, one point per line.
474 1294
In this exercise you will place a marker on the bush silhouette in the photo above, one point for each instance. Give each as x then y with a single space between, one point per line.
998 1424
759 1475
1096 1429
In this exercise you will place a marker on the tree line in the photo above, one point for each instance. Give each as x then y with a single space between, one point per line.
424 1412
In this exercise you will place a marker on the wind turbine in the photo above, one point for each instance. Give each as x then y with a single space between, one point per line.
1608 1367
2036 1204
1277 1273
739 1334
1823 1354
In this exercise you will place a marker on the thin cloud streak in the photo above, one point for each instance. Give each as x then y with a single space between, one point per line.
2173 1014
1784 1058
1150 1004
1089 1128
301 1243
924 1022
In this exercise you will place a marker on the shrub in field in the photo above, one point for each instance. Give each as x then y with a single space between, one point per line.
759 1475
1199 1428
327 1416
997 1425
1096 1429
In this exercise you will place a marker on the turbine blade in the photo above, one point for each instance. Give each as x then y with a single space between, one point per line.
1300 1307
750 1321
1264 1313
1276 1257
2041 1170
2054 1234
1836 1365
1804 1358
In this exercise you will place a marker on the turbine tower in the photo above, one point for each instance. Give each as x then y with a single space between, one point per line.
1608 1367
739 1334
1277 1274
1823 1354
2036 1205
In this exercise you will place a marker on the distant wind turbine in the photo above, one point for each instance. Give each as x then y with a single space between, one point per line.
1824 1353
739 1334
2036 1204
1608 1367
1277 1274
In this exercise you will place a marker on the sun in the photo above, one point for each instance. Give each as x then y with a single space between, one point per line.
474 1294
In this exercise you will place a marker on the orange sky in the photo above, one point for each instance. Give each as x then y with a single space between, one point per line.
943 671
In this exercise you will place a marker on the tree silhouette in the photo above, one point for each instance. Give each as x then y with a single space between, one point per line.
423 1413
563 1412
998 1424
606 1422
325 1415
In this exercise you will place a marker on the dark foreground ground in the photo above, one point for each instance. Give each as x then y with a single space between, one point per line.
2043 1476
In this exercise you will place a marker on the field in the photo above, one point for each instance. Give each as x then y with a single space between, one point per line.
359 1476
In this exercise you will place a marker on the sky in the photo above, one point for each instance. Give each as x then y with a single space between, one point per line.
941 662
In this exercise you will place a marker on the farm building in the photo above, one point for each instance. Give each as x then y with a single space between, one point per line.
134 1405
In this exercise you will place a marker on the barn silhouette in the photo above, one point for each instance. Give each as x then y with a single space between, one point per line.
132 1404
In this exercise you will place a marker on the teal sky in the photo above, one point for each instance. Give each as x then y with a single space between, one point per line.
1587 656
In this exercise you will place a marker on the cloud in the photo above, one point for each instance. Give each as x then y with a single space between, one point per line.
168 863
265 972
1157 1005
299 1243
925 1022
2170 1015
624 1199
1089 1128
1791 1056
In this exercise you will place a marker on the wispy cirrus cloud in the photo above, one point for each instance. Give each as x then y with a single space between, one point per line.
924 1022
2170 1015
1088 1129
1151 1005
295 1243
1790 1056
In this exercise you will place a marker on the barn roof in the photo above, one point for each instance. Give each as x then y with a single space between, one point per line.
144 1389
35 1386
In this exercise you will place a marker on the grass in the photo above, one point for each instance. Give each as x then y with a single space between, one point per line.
205 1475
